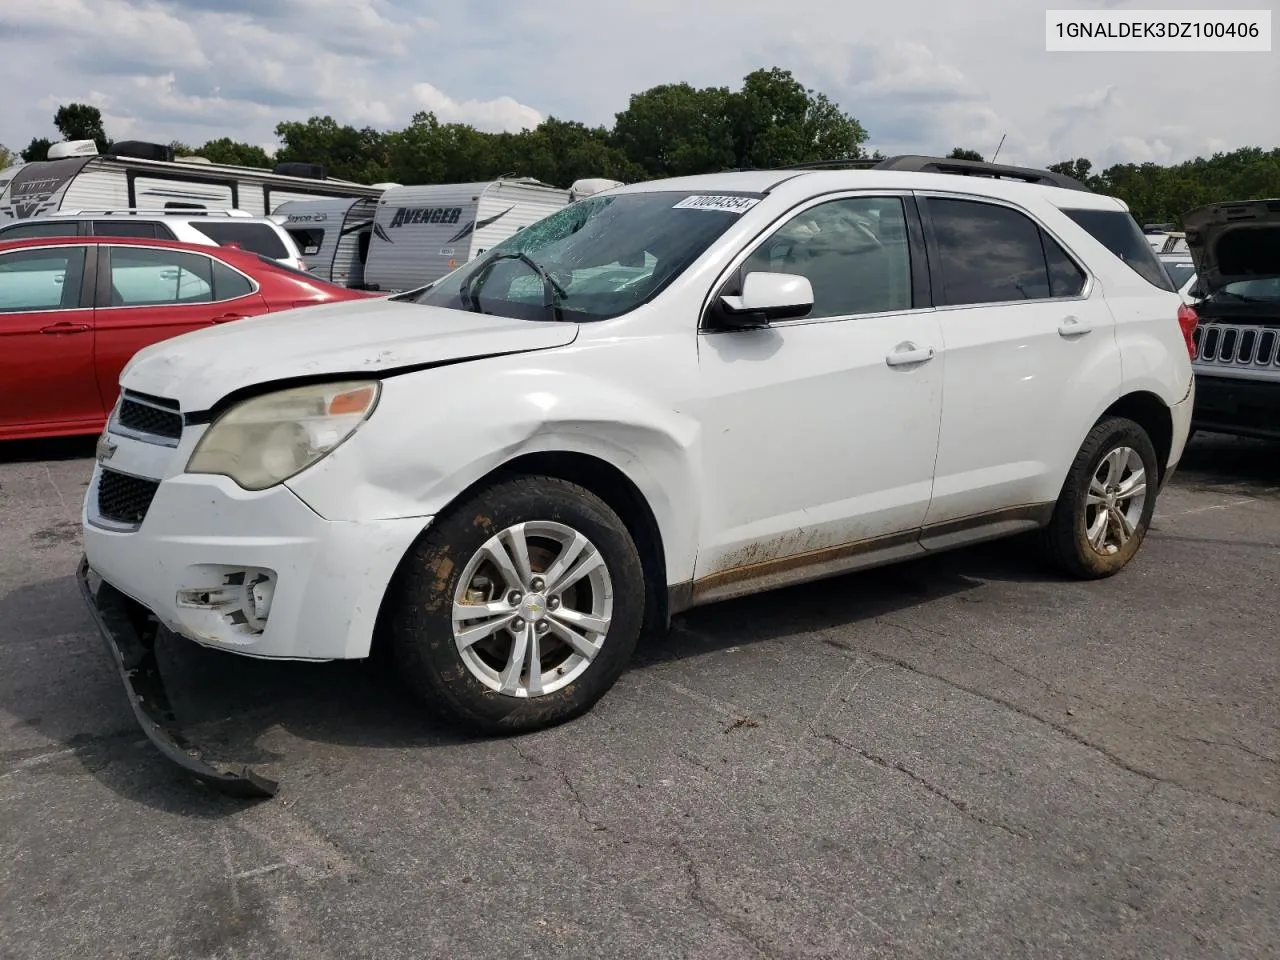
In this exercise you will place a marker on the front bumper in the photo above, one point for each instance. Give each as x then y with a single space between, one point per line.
129 635
259 574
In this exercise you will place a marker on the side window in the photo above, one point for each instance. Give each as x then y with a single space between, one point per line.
47 279
987 253
308 239
1066 279
853 251
1120 233
254 237
143 278
125 228
41 228
227 284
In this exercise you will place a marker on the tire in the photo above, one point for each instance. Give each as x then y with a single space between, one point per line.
463 682
1067 538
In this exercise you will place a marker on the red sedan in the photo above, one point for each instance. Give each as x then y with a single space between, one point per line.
74 310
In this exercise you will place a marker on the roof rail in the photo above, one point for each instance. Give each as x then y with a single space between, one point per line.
827 165
153 212
912 163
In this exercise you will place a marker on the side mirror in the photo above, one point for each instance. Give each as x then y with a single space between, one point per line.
765 297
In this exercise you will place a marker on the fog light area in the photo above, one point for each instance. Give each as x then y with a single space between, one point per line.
228 603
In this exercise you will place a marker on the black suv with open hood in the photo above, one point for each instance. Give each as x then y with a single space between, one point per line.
1236 249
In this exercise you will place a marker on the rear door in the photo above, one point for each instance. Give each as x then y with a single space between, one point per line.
149 294
1030 353
47 382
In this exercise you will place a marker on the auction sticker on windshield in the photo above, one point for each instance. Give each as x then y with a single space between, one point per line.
723 204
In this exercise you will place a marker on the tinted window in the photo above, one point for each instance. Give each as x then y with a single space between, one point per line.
41 228
1066 279
987 253
227 284
142 277
854 252
46 279
125 228
254 237
1120 233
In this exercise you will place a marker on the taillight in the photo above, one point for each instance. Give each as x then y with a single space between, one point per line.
1188 320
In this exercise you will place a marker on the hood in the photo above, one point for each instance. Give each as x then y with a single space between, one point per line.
1230 242
359 337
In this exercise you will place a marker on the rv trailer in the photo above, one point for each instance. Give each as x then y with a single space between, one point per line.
422 233
333 236
133 175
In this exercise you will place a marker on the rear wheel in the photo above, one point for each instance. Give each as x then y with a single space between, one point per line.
1105 508
520 608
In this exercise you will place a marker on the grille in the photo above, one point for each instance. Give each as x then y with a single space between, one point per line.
125 499
147 416
1226 344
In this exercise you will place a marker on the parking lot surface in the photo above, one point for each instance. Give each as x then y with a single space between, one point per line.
960 757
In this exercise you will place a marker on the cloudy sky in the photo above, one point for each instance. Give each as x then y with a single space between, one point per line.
921 75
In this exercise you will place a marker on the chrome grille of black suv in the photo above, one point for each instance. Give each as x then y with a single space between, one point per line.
152 416
1237 345
123 498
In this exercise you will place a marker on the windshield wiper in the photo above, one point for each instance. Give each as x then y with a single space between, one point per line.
549 283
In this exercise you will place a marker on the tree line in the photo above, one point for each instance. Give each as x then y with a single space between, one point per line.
669 130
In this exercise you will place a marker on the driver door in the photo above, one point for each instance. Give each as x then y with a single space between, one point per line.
820 434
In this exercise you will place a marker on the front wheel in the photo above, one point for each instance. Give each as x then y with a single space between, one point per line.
1105 509
520 608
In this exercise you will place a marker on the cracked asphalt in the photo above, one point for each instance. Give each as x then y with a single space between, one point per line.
960 757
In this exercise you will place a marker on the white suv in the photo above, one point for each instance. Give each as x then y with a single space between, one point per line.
660 396
260 235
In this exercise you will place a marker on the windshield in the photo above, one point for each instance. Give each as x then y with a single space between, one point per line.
592 260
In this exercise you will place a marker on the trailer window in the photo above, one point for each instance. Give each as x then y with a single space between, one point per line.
308 239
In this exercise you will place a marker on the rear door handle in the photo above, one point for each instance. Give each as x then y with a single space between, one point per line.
228 317
906 354
1073 327
66 326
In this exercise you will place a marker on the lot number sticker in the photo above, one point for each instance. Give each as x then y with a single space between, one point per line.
722 204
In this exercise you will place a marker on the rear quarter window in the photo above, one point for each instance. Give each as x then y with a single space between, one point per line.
254 237
43 228
1119 232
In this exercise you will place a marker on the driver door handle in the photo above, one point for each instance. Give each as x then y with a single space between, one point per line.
906 354
66 326
1073 327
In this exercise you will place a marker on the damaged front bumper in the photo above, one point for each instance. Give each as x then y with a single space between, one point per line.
129 633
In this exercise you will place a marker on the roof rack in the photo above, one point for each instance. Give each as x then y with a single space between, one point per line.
154 212
912 163
978 168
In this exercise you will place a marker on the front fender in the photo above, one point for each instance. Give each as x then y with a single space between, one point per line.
437 433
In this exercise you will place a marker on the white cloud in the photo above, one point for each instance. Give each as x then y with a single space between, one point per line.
503 113
921 75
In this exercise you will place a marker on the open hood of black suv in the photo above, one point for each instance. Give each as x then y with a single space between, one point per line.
1231 242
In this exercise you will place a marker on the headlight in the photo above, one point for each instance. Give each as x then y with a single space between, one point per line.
265 441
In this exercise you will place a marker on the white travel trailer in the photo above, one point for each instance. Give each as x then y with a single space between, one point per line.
422 233
332 235
133 175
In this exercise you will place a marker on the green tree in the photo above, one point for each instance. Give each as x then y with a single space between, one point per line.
7 157
674 130
226 150
777 121
80 121
346 152
962 153
37 149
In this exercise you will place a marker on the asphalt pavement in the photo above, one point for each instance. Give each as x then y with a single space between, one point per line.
960 757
